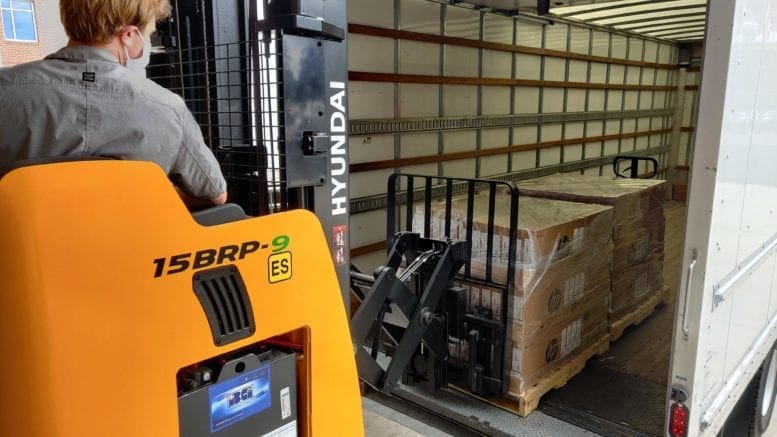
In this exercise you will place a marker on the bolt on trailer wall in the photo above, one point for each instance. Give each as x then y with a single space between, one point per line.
452 91
267 84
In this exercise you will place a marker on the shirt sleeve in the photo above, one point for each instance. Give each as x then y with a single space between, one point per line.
195 170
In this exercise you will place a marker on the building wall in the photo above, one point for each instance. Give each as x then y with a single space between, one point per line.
545 97
56 32
49 31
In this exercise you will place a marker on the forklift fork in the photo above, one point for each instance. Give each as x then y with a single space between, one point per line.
436 262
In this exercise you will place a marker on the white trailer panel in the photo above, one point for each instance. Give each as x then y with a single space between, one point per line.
726 322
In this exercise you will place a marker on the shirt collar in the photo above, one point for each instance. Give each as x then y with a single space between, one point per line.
83 52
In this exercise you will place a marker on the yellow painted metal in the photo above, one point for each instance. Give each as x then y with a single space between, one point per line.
91 341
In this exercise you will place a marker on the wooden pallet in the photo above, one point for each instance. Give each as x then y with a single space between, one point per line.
640 313
555 378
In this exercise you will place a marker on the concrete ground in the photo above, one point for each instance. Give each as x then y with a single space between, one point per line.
382 421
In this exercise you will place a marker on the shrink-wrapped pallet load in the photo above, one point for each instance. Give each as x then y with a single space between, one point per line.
558 308
637 235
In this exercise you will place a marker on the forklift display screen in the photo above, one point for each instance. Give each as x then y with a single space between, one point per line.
239 398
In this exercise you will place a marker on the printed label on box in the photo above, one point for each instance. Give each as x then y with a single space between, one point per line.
479 241
640 248
573 288
516 359
570 337
578 236
497 250
474 298
496 305
454 348
644 201
518 308
641 284
485 298
528 247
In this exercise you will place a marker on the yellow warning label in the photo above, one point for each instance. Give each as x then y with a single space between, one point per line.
279 265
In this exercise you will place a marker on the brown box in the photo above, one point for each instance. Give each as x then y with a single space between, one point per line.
537 352
546 228
632 289
541 343
561 277
639 246
629 197
558 289
560 286
638 229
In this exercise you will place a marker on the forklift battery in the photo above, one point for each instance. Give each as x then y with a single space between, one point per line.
254 395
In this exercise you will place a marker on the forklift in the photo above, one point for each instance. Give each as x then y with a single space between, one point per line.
125 314
268 87
234 320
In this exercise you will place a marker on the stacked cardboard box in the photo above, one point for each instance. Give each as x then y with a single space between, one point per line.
561 278
638 232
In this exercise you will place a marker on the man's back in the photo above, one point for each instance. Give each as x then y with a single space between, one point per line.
80 101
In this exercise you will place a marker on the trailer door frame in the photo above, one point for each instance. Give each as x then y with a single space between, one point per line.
726 320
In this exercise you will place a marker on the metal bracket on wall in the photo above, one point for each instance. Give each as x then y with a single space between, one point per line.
726 285
400 125
371 203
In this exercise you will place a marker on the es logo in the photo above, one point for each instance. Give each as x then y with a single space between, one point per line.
279 266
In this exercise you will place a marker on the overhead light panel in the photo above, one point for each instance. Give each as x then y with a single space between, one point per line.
688 35
646 17
681 30
668 7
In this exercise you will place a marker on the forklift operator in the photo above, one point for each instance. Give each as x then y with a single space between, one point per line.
91 98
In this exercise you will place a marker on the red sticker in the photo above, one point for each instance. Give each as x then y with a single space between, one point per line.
339 235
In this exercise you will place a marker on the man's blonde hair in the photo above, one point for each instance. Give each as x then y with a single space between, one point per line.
97 21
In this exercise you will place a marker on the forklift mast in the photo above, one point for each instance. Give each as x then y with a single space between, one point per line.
266 81
421 320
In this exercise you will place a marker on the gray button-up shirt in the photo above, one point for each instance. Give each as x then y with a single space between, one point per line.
81 101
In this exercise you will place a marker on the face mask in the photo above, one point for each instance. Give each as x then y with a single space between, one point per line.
140 63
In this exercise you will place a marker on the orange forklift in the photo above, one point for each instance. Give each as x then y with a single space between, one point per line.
127 315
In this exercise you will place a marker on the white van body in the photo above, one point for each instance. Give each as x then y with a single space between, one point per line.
726 323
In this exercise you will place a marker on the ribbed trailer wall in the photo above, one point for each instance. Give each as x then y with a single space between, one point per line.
454 91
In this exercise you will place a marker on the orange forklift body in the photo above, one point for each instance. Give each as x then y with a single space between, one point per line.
97 319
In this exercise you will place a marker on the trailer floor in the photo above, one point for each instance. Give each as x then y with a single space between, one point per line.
454 413
622 392
478 418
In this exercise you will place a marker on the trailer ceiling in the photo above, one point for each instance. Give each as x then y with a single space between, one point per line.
673 20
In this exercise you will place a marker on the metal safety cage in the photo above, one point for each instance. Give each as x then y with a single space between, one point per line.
438 215
222 75
266 82
231 62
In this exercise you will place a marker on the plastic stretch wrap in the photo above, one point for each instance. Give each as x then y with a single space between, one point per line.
638 230
561 276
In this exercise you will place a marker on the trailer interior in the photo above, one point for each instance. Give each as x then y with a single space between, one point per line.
501 89
420 133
